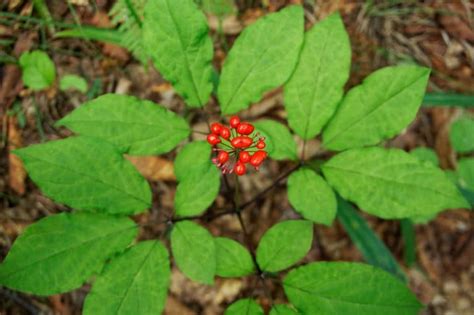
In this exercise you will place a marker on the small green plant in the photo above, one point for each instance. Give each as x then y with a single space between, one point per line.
462 140
39 73
88 172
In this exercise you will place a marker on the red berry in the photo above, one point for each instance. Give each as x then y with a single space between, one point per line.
216 128
244 156
222 157
225 132
245 128
234 121
241 142
257 158
260 144
240 168
213 139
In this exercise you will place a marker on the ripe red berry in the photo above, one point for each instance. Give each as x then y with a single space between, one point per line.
257 158
260 144
216 128
225 132
222 157
213 139
245 128
240 168
241 142
234 121
244 156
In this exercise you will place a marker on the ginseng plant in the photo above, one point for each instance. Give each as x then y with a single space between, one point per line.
95 241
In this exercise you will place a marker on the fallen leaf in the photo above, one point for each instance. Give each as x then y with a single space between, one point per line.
154 168
230 25
16 170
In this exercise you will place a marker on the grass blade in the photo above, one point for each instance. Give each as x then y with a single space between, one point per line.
448 99
372 248
93 33
409 240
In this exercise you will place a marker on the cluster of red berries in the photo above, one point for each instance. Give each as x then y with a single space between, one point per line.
236 146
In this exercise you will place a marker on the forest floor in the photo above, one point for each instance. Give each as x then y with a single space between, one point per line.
437 34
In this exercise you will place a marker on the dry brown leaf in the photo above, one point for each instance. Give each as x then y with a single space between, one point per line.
230 25
174 306
58 305
16 170
115 52
154 168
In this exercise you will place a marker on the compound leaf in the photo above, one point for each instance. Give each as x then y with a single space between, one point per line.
329 289
284 244
244 307
194 251
194 159
175 34
136 282
391 183
382 106
61 252
262 58
233 259
38 70
316 86
199 179
137 127
311 196
279 141
87 173
426 155
195 194
283 309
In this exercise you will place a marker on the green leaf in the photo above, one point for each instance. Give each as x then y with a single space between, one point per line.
461 135
199 179
71 81
136 282
194 251
262 58
316 87
194 159
311 196
382 106
233 260
280 142
391 183
61 252
282 309
138 127
426 155
38 70
284 244
195 194
465 172
88 174
374 251
244 307
348 288
175 34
